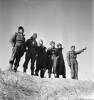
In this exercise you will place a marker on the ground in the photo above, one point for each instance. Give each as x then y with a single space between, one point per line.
20 86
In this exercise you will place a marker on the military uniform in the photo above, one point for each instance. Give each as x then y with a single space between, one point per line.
31 52
72 62
18 42
52 60
60 69
41 61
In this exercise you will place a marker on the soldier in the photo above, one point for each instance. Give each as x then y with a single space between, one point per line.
18 43
60 68
72 62
52 58
31 51
41 59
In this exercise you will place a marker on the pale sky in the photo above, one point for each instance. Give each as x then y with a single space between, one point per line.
66 21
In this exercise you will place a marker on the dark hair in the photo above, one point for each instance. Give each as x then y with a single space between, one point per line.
72 46
21 27
59 44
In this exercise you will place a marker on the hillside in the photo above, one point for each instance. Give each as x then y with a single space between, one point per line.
20 86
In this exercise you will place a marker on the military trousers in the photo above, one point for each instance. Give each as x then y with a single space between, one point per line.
74 69
30 55
17 53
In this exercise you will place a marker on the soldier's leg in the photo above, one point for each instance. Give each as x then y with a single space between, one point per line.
11 62
16 64
76 70
27 58
37 67
49 73
64 73
37 70
55 67
18 57
42 72
33 57
50 69
72 70
57 76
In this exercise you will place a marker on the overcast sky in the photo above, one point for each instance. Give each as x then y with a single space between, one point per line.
67 21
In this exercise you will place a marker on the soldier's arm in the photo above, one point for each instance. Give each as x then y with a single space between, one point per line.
80 51
68 58
37 48
13 39
26 44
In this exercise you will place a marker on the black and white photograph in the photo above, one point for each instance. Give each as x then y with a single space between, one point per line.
46 49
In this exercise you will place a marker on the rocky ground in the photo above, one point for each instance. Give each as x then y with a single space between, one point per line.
20 86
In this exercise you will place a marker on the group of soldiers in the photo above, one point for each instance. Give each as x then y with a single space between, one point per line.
50 59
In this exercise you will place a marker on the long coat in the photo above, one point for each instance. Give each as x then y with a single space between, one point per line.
60 68
41 58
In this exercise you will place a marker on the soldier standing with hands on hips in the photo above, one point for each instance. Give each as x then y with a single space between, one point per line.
72 62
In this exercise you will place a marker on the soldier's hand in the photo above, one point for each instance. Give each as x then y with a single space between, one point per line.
84 48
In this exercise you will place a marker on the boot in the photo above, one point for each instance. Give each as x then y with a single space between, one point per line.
49 75
15 69
42 73
36 74
24 70
32 72
11 67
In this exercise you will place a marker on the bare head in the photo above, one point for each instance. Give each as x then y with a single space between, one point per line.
73 48
34 35
52 43
21 30
59 45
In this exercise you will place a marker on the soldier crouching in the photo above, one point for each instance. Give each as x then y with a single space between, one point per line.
31 52
18 43
41 60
